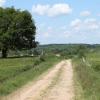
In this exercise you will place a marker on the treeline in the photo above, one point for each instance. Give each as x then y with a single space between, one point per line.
69 50
65 50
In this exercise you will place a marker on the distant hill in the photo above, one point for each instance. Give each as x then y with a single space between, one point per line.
50 47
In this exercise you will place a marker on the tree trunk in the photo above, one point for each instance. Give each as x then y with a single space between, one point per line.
4 53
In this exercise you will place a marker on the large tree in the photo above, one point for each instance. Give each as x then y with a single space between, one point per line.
17 30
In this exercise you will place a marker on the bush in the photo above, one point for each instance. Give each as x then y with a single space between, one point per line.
37 62
42 58
97 67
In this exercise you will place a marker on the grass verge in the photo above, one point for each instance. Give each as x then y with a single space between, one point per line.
19 79
86 80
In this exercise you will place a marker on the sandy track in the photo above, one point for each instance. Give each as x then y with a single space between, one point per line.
40 90
63 89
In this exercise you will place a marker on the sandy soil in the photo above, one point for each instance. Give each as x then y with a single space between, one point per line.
43 89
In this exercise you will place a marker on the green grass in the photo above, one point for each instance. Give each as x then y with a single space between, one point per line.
87 77
18 71
12 67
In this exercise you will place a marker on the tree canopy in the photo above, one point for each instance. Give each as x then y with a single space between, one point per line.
17 30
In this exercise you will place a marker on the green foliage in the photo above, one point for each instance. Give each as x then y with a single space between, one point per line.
94 59
97 66
81 51
17 30
67 50
42 58
36 52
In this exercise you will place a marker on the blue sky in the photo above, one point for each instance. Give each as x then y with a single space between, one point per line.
62 21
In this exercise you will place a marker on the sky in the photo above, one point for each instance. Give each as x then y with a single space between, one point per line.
62 21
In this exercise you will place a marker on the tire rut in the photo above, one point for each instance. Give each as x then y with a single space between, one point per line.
63 89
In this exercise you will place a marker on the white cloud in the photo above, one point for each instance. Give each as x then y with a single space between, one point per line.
54 10
67 34
87 24
46 34
44 31
2 2
40 9
59 9
91 24
76 24
85 13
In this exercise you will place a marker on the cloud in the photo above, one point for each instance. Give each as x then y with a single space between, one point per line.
45 32
2 2
85 13
76 24
67 34
46 35
87 24
40 9
91 24
51 11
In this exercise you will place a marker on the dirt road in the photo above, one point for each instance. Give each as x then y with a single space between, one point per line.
57 84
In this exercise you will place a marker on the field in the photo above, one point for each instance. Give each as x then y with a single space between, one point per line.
15 72
87 77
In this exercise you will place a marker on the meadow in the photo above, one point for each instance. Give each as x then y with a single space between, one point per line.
87 77
15 72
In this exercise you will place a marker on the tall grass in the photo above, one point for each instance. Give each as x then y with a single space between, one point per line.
88 79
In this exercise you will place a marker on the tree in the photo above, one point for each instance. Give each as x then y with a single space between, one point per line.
17 30
81 51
